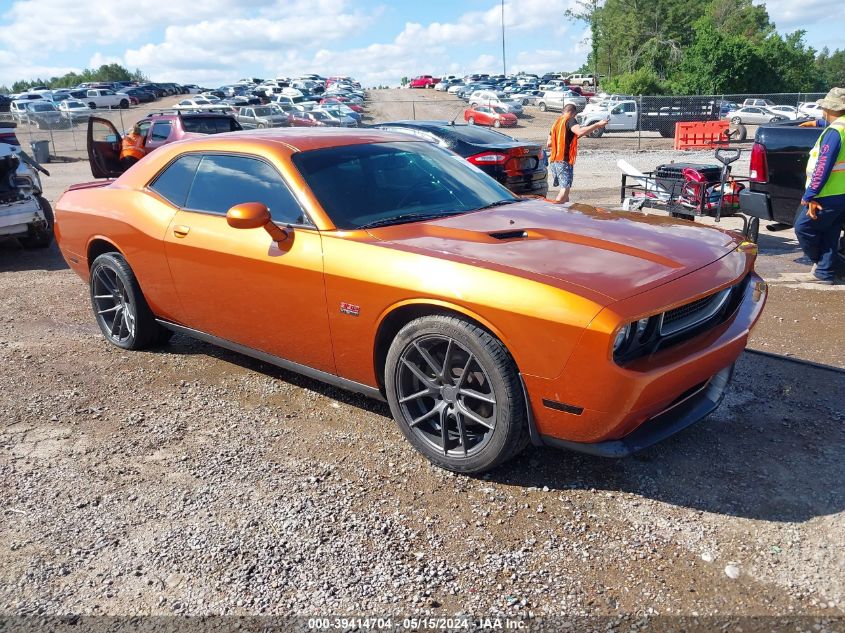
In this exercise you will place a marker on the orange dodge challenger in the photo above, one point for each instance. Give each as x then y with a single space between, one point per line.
389 266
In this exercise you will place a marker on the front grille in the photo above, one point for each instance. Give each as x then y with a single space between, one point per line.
689 315
681 323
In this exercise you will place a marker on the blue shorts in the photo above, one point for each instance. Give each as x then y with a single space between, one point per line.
561 172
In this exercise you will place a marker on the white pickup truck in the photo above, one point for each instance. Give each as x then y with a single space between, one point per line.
101 98
621 116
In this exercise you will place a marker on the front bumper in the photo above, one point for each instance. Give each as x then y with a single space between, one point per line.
599 407
689 409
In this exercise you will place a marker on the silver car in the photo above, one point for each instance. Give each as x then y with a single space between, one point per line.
754 115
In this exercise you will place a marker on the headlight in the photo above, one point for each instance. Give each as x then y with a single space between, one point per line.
621 338
636 338
24 185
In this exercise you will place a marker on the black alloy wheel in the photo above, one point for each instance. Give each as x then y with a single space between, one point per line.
119 306
455 394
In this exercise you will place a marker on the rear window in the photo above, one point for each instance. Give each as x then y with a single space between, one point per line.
210 125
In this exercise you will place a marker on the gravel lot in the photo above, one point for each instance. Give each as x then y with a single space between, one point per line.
191 480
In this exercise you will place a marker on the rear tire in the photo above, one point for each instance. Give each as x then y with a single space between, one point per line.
471 121
42 238
736 120
124 104
542 107
442 371
121 311
92 105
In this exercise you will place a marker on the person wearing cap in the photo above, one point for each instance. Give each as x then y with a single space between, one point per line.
818 228
132 147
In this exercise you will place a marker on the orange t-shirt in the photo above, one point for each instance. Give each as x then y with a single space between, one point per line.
133 146
564 147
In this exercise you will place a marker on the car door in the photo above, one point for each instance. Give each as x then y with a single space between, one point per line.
103 144
238 284
159 134
623 117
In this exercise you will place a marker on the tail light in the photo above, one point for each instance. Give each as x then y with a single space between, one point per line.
488 158
9 138
759 169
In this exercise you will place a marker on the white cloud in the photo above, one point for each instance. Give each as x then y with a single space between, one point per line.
789 15
216 41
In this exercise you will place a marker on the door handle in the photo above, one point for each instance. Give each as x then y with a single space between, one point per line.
180 230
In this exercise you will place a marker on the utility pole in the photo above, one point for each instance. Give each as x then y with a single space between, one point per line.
504 65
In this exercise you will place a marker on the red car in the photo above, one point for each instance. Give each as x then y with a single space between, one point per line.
300 120
352 106
424 81
489 115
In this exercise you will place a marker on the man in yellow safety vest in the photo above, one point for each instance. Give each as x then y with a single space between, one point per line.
818 229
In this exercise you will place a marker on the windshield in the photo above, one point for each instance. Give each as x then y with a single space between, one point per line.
384 183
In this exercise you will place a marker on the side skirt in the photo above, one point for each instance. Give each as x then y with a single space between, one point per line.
316 374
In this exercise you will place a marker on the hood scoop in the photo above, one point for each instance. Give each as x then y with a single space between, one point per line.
517 234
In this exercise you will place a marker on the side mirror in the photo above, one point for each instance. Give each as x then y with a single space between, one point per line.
253 215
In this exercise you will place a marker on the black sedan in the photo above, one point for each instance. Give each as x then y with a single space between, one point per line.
143 96
518 165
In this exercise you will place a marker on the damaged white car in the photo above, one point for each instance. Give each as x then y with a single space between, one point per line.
24 212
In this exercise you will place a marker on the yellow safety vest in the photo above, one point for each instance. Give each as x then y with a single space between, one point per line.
835 184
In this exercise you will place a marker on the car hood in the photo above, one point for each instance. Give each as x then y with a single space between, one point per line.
614 254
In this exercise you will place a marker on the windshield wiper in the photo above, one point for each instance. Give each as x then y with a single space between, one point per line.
498 203
408 217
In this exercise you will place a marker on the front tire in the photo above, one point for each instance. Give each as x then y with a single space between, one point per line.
497 123
471 121
119 306
597 133
542 107
736 120
455 394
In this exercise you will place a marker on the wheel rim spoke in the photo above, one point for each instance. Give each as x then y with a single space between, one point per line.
444 429
106 282
434 411
469 413
116 320
475 395
462 431
414 396
465 370
112 309
438 370
421 376
444 374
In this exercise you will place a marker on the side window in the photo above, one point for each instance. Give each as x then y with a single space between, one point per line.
224 181
144 126
175 181
161 130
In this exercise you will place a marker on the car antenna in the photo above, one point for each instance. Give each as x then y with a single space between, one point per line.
452 122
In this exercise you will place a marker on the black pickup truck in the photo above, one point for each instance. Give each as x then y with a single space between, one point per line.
778 174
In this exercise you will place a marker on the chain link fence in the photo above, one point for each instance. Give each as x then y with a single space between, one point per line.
640 122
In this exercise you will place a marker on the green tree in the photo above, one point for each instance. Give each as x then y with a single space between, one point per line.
830 67
639 82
